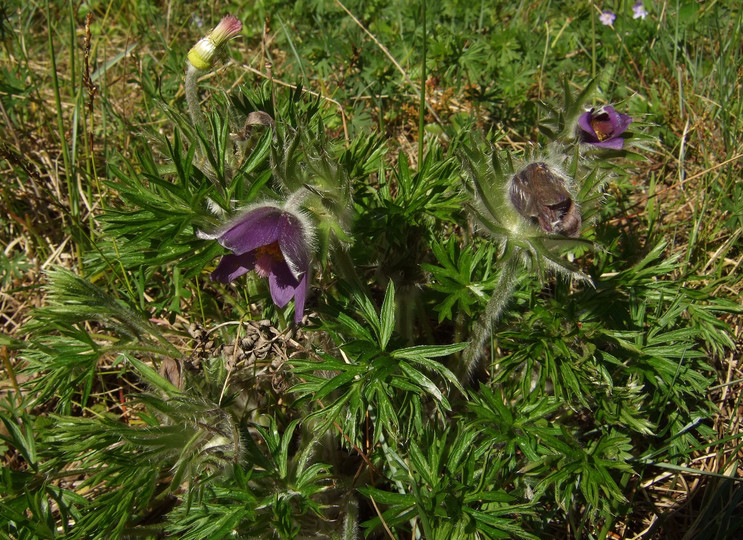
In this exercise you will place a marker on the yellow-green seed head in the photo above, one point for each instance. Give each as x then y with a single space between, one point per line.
203 55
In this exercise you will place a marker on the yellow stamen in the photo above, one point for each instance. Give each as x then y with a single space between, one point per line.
273 250
599 128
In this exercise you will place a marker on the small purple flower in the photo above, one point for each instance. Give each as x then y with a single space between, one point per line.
603 127
198 21
638 10
275 243
607 18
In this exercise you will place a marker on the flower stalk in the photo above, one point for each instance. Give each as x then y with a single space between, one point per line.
192 97
202 57
481 331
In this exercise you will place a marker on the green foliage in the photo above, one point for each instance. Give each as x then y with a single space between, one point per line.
65 352
398 213
456 277
388 383
460 373
453 487
12 268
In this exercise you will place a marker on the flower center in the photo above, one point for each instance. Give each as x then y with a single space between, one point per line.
265 257
602 126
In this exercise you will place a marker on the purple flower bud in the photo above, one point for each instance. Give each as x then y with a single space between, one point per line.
275 243
603 127
540 196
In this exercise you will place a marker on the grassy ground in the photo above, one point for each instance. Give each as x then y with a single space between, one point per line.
132 381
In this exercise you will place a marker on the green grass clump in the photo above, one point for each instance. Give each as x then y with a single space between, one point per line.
463 368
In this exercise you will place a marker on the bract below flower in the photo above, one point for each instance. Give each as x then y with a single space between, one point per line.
603 127
203 55
275 243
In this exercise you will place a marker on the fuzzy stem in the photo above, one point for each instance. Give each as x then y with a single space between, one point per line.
11 372
192 97
501 295
351 521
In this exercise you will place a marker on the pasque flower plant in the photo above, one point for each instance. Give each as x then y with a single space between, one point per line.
276 243
275 240
201 411
532 211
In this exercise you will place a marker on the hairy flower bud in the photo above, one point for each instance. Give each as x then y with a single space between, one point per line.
541 196
203 55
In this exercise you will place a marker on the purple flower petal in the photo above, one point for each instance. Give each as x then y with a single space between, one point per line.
607 18
619 121
584 123
259 227
639 11
273 242
300 296
232 267
282 284
293 245
615 144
